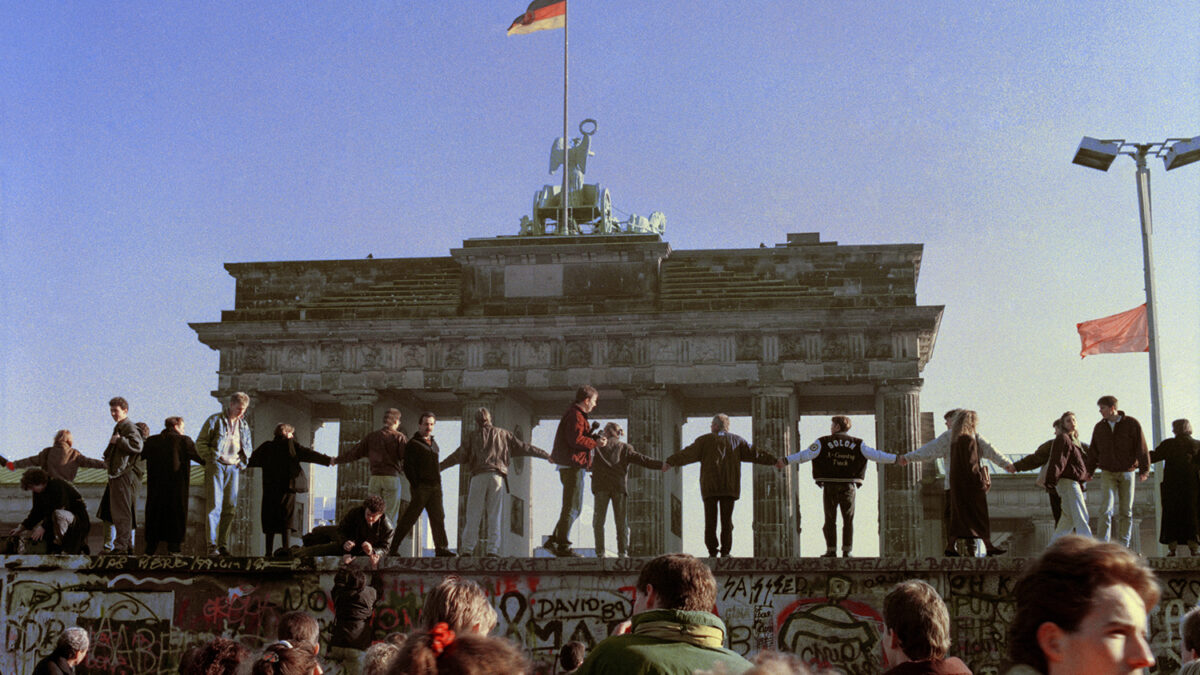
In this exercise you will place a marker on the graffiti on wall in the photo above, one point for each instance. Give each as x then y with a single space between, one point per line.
144 614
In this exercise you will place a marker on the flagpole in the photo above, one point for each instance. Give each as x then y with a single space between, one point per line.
563 227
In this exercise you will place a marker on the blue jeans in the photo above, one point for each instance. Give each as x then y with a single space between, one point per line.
1117 502
572 504
221 500
1074 510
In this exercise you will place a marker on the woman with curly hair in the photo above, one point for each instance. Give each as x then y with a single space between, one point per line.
284 658
440 651
219 656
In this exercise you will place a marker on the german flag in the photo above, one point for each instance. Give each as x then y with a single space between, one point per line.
541 15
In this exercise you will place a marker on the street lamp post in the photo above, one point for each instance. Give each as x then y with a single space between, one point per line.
1175 152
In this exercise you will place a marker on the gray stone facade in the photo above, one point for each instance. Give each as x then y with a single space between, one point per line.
801 328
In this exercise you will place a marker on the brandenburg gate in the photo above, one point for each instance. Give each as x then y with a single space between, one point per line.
517 323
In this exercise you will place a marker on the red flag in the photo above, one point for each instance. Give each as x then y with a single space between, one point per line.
1124 332
540 15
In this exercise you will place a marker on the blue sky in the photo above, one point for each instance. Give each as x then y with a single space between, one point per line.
143 145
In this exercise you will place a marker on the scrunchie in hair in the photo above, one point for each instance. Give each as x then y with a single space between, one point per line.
272 655
442 637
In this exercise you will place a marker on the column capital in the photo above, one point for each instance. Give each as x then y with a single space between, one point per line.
467 395
780 389
899 386
646 391
355 396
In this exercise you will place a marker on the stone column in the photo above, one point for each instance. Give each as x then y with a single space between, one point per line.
655 502
470 401
356 419
898 430
516 524
776 524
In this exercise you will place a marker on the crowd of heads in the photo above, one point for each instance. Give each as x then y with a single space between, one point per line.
1081 607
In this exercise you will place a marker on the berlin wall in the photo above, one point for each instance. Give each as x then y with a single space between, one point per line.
142 613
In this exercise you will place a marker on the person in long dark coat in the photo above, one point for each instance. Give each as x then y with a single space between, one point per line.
282 480
1180 488
168 457
969 517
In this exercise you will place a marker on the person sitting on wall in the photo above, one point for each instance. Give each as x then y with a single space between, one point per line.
58 509
916 632
839 467
364 531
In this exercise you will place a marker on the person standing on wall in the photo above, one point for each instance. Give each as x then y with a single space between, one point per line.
384 450
572 452
610 468
720 454
169 456
122 459
1118 450
839 467
425 480
222 444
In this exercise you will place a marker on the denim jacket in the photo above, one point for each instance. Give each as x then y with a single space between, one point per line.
214 438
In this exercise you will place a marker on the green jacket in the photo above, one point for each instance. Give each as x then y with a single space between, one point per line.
665 642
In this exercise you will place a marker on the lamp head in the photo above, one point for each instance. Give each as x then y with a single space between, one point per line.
1182 153
1096 154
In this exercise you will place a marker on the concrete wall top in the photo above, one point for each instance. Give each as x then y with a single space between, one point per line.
142 613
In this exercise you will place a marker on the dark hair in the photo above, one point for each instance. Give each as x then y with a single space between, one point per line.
681 582
467 654
350 578
424 415
842 421
283 429
283 658
172 422
219 656
572 655
1107 401
375 504
299 626
119 402
33 477
143 429
1058 587
915 612
585 392
1189 629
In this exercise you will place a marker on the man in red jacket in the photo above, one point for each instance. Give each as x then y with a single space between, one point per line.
572 452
